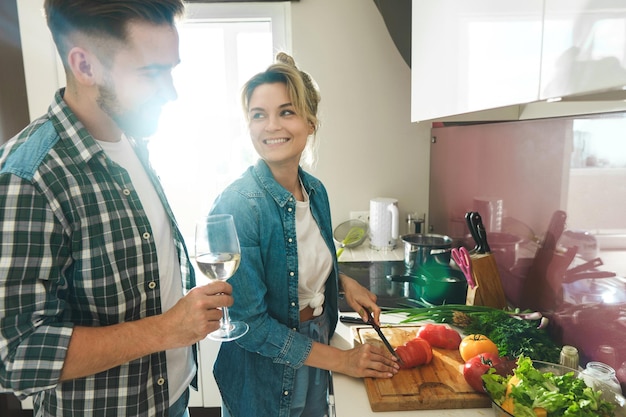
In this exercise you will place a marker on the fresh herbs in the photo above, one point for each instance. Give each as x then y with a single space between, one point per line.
514 332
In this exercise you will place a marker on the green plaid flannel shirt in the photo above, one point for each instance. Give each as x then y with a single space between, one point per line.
76 248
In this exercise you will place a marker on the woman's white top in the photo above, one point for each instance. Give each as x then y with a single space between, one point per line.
314 259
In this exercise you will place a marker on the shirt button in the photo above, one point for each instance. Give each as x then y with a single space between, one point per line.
126 191
146 235
293 304
286 393
152 285
160 381
290 240
289 209
292 273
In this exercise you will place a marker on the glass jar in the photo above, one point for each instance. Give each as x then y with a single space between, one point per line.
569 357
603 373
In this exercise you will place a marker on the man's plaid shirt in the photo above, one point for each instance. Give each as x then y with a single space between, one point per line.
76 248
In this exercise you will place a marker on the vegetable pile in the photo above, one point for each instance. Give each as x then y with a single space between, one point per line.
530 392
515 333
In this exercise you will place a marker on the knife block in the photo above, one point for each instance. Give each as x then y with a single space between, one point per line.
488 291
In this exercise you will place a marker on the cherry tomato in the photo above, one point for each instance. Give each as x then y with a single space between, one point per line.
439 335
415 352
474 369
474 344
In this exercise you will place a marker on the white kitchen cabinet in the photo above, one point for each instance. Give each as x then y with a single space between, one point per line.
584 47
474 55
210 393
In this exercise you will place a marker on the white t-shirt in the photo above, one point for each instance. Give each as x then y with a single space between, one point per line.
180 364
314 260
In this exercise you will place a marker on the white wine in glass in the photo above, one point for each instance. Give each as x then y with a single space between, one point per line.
218 255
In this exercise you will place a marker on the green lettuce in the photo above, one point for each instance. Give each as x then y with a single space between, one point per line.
560 395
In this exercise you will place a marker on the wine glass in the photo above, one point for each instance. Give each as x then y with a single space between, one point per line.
218 256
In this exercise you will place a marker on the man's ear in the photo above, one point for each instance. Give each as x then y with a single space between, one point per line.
81 63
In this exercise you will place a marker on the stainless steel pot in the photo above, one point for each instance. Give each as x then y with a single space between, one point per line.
426 249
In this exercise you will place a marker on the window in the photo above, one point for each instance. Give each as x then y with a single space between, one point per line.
202 143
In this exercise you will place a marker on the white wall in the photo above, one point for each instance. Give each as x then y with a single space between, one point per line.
368 146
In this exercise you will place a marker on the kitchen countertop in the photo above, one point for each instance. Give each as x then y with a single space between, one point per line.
351 398
350 395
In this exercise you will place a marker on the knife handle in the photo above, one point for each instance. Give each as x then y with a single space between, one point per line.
482 233
472 229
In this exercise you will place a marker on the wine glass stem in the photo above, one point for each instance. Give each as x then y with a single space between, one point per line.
226 326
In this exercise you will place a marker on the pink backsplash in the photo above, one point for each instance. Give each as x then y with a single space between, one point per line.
537 168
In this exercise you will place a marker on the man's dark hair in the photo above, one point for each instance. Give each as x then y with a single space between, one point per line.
105 18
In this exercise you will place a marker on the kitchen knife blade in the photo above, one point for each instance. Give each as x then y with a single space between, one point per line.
382 337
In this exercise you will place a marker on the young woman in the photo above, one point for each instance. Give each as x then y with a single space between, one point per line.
286 287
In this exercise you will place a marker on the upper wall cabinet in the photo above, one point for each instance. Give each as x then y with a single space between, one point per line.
502 59
474 55
584 47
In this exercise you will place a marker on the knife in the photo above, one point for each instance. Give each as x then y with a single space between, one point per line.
356 320
376 327
331 396
482 233
473 231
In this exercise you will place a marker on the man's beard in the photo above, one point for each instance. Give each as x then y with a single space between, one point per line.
132 123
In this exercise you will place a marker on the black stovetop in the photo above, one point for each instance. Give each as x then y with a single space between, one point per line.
373 275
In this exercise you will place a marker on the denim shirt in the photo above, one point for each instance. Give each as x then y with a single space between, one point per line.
255 373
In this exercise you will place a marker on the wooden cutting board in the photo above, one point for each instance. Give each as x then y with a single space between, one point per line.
438 385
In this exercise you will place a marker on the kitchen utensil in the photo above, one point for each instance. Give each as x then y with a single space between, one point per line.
356 320
556 271
331 396
585 271
462 258
537 293
585 241
435 285
593 263
435 386
481 233
382 336
384 223
350 234
428 249
488 290
568 279
492 209
473 232
504 247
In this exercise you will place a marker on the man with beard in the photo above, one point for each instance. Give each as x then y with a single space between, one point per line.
93 317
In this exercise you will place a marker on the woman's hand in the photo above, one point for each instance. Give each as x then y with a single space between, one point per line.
360 299
364 360
370 361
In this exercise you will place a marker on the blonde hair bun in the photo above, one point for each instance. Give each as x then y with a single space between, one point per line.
286 59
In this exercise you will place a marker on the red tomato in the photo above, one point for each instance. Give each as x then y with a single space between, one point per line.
440 335
477 366
415 352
